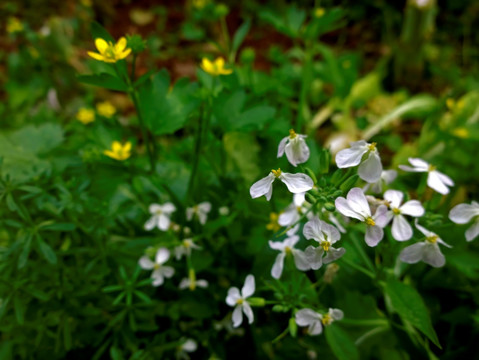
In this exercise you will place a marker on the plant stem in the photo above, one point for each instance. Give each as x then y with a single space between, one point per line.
362 253
358 267
196 154
370 333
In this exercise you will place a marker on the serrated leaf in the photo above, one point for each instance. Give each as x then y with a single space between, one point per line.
341 345
104 80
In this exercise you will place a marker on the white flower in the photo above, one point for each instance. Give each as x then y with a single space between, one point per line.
296 183
294 211
187 283
287 247
238 300
336 222
160 216
387 177
224 211
159 270
356 206
326 235
201 211
185 248
462 214
435 179
315 321
427 251
188 346
401 230
370 169
295 148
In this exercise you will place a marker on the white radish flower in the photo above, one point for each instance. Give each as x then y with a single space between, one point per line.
370 169
326 235
387 177
435 179
401 230
427 250
296 183
336 222
185 248
294 211
160 272
192 284
356 206
315 321
238 300
201 211
287 247
295 148
462 214
188 346
160 216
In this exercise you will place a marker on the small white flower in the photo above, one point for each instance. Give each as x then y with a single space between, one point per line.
387 177
427 250
187 283
160 272
401 230
295 148
201 211
462 214
356 206
296 183
336 222
188 346
185 248
370 169
224 211
315 321
287 247
238 300
294 211
160 216
435 179
326 235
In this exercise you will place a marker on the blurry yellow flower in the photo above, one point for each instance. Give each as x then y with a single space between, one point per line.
216 67
461 132
85 116
450 103
119 151
273 224
199 4
86 3
109 52
106 109
14 25
319 12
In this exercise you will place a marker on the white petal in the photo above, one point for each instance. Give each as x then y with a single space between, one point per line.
151 223
350 157
277 245
297 183
145 263
472 232
301 260
435 182
204 206
263 187
413 253
179 252
342 205
419 163
281 146
163 222
336 223
331 232
382 216
299 199
157 277
189 213
289 216
189 345
154 208
374 234
394 197
202 283
370 170
184 284
312 230
297 151
304 317
315 328
277 268
168 208
411 169
233 296
463 213
388 176
237 316
162 255
358 202
401 230
336 314
167 271
432 255
248 312
333 254
248 288
202 217
314 257
293 230
425 231
445 179
291 241
412 208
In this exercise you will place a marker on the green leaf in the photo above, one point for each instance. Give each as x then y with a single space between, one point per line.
59 227
240 35
19 307
243 150
341 345
410 307
253 119
104 80
27 242
47 252
98 31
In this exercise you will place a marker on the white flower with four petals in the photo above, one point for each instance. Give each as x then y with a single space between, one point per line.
287 247
185 248
200 211
238 300
370 169
462 214
435 180
295 148
160 216
160 272
315 321
296 183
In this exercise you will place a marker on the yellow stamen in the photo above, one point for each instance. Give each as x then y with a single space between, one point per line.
156 266
432 239
431 168
369 221
396 211
292 134
327 319
276 173
325 245
240 301
288 250
372 146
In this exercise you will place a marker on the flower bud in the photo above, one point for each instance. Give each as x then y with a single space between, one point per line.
349 183
136 43
256 301
293 328
330 206
221 10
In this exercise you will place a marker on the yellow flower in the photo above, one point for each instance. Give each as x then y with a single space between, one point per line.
119 151
106 109
14 25
85 116
109 52
216 67
319 12
273 225
86 3
199 4
461 132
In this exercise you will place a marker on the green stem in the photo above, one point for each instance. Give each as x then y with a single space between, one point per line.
370 333
365 322
358 267
362 253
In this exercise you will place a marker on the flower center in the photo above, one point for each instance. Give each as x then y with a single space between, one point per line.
292 134
156 266
158 212
325 245
298 209
187 243
240 301
327 319
372 146
369 221
110 51
396 211
288 250
432 239
276 173
431 168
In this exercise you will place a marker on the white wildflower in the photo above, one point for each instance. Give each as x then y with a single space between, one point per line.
296 183
462 214
188 346
295 210
160 272
224 211
192 284
387 177
315 321
295 148
370 169
238 300
435 179
287 247
160 216
185 248
201 211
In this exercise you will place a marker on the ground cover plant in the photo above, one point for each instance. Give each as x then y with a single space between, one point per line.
227 180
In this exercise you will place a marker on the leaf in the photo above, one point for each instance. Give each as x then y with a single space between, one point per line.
243 151
104 80
410 307
240 35
253 119
98 31
59 227
19 307
47 252
27 242
341 345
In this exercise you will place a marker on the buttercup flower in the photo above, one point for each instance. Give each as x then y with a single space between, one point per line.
216 67
201 211
287 247
435 179
387 177
401 230
160 272
14 25
160 216
427 250
356 206
370 169
326 235
185 248
295 148
109 52
119 151
85 116
296 183
462 214
106 109
238 300
315 321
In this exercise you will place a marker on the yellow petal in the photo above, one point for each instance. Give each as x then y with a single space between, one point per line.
96 56
116 146
120 45
127 147
110 153
123 54
220 63
226 71
206 65
101 45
